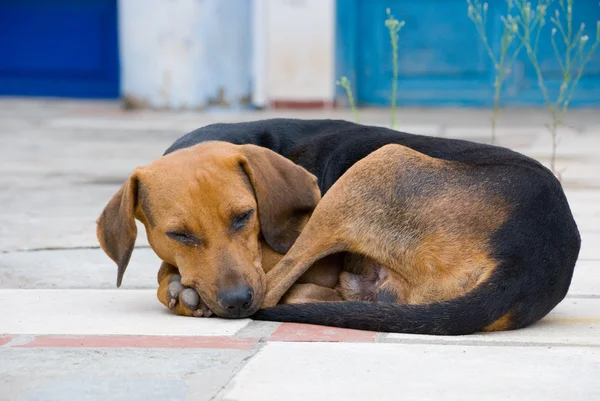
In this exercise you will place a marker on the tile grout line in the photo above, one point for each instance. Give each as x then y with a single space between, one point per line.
480 343
61 249
258 346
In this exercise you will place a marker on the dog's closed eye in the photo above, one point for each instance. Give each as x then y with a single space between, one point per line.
184 237
240 220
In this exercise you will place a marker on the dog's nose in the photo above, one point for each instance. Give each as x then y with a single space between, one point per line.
237 299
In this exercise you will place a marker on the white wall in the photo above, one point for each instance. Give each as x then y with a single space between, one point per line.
182 53
298 50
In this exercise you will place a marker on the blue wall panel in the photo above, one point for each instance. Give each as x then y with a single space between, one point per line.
442 60
64 48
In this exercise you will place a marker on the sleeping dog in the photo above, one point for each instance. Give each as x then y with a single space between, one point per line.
412 234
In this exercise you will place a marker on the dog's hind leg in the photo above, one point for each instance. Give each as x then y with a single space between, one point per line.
310 293
416 216
354 216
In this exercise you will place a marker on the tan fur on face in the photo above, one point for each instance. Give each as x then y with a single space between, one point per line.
200 190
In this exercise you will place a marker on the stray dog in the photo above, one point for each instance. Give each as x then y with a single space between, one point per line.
437 236
218 215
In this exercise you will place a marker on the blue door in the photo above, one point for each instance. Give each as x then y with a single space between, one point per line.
442 60
63 48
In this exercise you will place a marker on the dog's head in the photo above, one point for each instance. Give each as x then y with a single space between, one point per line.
205 209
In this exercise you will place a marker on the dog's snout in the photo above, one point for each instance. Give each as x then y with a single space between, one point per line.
236 300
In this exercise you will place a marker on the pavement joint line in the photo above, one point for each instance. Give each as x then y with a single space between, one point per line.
59 248
236 370
583 296
480 343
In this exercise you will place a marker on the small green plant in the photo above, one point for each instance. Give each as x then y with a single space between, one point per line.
394 26
528 25
503 62
344 82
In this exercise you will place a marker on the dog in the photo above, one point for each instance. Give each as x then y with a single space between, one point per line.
424 235
218 215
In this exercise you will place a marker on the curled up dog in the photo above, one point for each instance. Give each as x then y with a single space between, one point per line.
412 234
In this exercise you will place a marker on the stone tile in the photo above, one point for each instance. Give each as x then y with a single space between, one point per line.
76 268
113 124
574 322
294 332
101 312
586 279
590 246
116 374
318 371
61 216
511 137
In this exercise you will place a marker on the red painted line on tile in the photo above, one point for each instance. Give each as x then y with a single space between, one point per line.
5 339
296 332
208 342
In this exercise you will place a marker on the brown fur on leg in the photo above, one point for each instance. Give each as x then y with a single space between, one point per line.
434 259
310 293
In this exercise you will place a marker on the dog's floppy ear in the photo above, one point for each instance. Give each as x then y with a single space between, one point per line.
116 229
285 192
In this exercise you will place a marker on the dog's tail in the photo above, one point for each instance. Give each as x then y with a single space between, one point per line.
472 312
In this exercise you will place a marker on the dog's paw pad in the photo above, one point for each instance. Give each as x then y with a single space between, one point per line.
190 298
184 300
175 288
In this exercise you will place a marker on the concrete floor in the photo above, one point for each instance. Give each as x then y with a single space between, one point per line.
67 334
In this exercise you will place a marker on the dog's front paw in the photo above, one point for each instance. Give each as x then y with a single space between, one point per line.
184 301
